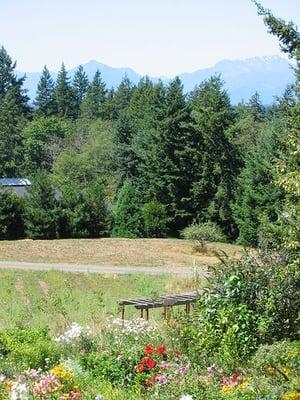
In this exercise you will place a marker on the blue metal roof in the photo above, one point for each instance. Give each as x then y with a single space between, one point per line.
15 182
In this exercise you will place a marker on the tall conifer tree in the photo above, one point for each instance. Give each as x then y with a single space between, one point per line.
94 99
80 86
45 101
64 96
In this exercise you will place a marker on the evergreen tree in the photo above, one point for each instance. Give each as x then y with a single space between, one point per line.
164 167
41 209
9 81
63 94
257 195
215 161
256 108
45 101
127 213
11 123
287 171
11 216
94 99
80 86
87 216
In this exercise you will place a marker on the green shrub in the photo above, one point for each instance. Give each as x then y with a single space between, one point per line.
127 215
11 216
28 348
111 366
202 233
250 302
155 219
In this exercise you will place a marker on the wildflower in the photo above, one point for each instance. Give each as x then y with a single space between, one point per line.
148 383
212 369
140 368
148 349
161 349
19 391
149 362
186 397
99 397
292 395
73 333
227 388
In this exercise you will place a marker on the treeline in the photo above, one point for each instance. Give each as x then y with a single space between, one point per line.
141 160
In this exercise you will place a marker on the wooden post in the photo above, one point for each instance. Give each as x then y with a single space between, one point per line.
123 314
165 312
142 313
147 314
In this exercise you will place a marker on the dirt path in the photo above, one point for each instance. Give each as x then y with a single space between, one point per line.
103 269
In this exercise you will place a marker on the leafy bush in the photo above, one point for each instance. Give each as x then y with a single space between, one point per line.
250 302
127 213
11 216
155 219
202 233
27 348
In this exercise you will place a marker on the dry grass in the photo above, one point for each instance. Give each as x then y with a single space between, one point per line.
113 252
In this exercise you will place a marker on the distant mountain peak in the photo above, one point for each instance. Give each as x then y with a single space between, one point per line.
268 75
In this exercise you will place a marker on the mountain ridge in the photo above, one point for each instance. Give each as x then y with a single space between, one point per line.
267 75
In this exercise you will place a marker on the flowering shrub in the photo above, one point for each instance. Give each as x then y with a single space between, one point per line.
73 334
58 383
250 302
159 367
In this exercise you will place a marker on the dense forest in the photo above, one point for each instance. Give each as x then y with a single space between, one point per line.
145 160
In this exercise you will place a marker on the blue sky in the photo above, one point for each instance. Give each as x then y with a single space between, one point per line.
155 37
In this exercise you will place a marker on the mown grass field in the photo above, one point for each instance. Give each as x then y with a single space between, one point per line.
111 251
35 299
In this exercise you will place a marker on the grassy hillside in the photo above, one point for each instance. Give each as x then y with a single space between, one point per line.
34 299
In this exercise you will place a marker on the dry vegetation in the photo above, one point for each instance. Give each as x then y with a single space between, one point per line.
113 252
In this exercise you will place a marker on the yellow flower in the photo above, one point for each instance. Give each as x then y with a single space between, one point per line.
271 370
226 388
243 385
293 395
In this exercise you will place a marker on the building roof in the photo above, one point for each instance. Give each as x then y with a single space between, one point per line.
15 182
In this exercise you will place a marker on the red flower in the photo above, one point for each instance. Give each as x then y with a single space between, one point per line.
148 349
149 362
148 383
161 349
140 368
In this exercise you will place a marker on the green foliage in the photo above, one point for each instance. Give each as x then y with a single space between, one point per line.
63 94
9 82
41 209
43 139
80 86
45 101
216 159
11 123
155 219
11 216
83 212
27 348
94 99
127 215
257 196
250 302
103 365
202 233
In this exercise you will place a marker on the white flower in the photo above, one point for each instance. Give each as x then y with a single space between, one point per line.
73 333
19 391
186 397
